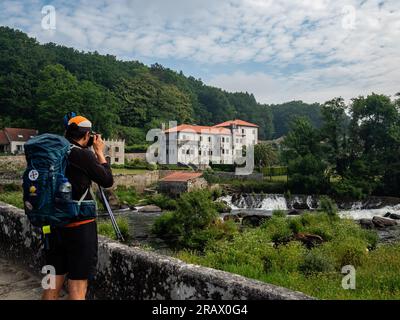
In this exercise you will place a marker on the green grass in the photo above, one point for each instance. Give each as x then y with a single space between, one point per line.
128 171
276 178
270 254
106 229
12 197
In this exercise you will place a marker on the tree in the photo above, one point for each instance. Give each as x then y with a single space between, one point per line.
265 155
334 133
303 153
59 92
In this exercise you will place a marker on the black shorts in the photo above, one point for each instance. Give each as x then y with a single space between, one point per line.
73 251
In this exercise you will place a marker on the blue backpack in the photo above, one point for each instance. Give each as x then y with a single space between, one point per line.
47 158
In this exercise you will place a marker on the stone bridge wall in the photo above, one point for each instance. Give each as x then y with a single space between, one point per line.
132 273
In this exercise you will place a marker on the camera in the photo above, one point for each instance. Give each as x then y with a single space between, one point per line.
91 138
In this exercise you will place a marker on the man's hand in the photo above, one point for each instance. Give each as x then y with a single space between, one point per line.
98 147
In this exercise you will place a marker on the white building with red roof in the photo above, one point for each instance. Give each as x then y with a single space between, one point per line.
12 140
200 145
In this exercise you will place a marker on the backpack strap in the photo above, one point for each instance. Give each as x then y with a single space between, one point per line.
90 190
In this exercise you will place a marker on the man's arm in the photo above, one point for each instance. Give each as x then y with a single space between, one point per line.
99 170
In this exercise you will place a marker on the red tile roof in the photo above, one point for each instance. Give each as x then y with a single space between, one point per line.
17 134
182 176
236 122
198 129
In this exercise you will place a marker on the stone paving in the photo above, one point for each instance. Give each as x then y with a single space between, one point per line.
16 283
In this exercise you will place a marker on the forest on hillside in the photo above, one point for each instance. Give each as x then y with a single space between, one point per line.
39 83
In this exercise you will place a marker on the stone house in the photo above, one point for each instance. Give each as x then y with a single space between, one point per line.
178 182
115 151
12 140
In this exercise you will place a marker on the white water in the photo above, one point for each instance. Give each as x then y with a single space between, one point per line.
271 202
274 202
357 213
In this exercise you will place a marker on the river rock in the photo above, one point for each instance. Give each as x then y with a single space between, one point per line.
294 213
366 223
308 239
380 222
394 216
387 215
232 217
150 208
124 207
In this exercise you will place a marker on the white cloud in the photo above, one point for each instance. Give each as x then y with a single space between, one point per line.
271 35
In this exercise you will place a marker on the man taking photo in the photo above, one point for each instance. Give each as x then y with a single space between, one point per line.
73 248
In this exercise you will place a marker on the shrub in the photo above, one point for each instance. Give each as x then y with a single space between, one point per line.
315 261
277 229
106 229
126 195
162 201
328 206
351 251
279 213
140 164
286 258
166 227
191 224
222 207
295 225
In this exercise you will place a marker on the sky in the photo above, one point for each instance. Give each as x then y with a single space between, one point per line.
279 50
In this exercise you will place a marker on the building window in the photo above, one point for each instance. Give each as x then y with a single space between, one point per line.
237 140
20 148
254 131
116 159
116 149
199 152
227 140
201 138
223 139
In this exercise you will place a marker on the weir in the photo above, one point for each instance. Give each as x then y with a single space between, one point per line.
131 273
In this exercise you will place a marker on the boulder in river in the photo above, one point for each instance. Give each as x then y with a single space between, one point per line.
150 208
366 223
394 216
380 222
387 215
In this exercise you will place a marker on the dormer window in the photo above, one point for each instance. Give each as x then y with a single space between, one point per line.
20 136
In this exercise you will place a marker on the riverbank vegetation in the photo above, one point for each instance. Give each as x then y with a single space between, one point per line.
304 253
12 194
106 229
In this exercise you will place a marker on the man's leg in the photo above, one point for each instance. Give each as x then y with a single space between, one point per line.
54 294
77 289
